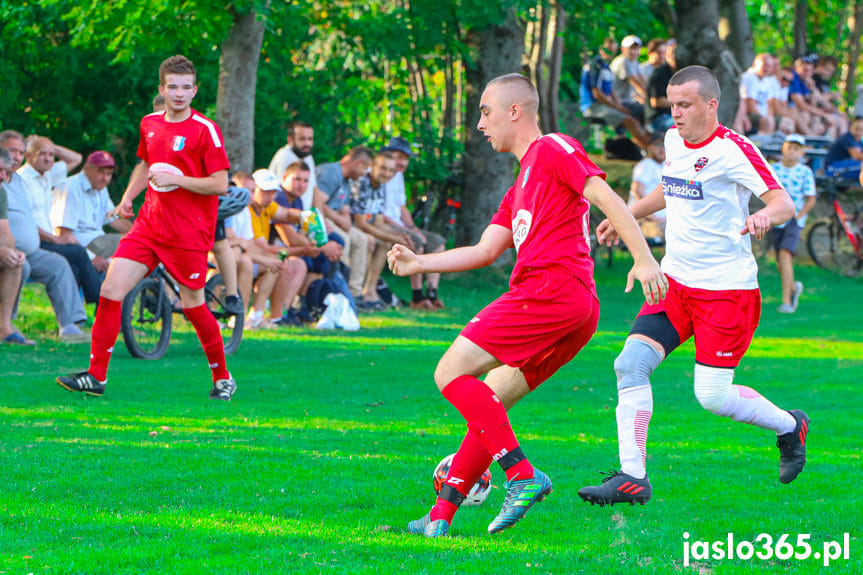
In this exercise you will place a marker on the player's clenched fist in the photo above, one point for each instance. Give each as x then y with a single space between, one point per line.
402 261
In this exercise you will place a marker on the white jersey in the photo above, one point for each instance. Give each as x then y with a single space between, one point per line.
707 189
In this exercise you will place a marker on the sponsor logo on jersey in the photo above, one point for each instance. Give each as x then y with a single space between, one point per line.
526 175
194 276
151 134
474 320
680 188
700 163
178 143
521 227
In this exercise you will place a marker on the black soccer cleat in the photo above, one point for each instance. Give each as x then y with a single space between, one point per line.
223 389
792 448
83 382
618 487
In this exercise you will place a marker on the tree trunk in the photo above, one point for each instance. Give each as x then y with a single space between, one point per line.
698 43
736 31
848 85
235 101
544 57
801 9
487 174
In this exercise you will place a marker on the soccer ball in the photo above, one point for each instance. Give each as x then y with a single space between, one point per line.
478 492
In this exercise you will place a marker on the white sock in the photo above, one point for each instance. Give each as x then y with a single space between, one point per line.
747 405
634 408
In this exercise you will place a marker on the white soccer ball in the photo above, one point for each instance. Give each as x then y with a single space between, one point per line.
477 493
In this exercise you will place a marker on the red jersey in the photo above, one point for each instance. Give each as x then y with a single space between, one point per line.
193 147
546 209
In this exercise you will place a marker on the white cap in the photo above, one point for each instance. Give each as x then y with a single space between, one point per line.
796 138
630 41
266 180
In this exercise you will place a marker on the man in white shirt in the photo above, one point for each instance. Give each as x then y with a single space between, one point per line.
82 207
301 142
41 175
709 174
758 86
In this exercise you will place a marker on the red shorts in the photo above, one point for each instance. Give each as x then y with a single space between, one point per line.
189 267
722 322
537 326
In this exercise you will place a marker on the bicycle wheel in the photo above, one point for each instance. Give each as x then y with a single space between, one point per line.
230 325
146 320
830 248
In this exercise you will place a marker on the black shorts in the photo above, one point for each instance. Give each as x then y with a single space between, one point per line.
220 230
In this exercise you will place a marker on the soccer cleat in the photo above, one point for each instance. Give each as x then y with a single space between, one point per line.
223 389
617 487
82 381
792 448
521 494
425 526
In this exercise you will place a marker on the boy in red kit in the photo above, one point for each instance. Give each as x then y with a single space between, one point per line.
184 167
550 311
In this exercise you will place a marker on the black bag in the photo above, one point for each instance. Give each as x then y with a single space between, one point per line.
622 148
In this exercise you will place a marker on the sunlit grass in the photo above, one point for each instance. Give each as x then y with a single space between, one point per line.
328 448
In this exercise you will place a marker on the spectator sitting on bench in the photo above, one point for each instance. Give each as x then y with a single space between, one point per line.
598 100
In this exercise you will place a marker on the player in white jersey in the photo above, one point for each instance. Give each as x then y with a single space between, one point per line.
709 174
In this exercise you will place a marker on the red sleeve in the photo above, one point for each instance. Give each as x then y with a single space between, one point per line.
503 216
570 163
142 146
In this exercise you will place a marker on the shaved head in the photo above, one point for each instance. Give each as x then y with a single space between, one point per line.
516 89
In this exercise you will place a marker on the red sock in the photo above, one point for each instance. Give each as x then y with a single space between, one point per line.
484 412
210 337
106 328
468 465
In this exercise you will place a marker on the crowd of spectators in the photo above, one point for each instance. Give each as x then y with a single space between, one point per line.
624 86
61 228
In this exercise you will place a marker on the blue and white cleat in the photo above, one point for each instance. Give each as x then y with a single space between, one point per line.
429 528
521 494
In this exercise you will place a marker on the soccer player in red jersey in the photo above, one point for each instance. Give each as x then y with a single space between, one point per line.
184 168
550 311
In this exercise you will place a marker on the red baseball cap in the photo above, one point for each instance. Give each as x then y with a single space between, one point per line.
101 159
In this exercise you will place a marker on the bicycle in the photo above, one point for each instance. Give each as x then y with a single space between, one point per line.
837 240
147 315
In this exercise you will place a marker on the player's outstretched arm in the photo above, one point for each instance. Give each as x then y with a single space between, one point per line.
645 269
778 209
495 239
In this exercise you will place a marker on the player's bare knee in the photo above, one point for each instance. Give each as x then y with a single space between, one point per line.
712 386
635 363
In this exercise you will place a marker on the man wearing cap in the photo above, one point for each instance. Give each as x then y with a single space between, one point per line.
630 85
399 217
83 207
597 100
282 285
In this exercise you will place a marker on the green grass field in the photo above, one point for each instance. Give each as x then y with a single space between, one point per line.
328 448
